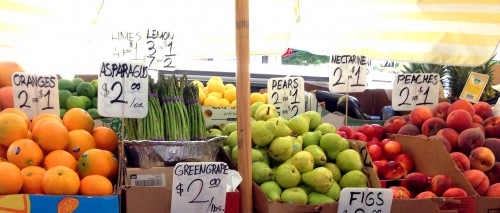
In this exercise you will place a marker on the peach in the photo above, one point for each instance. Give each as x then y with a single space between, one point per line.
455 192
393 124
443 140
441 110
432 125
462 104
494 145
392 149
415 182
376 152
451 135
406 161
492 127
393 170
494 173
440 183
419 115
477 119
426 194
461 160
483 109
478 180
476 125
406 117
409 129
470 139
459 120
493 190
482 159
399 192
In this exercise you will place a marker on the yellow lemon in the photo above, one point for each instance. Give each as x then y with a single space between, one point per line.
216 94
255 97
211 101
224 103
205 90
229 86
265 97
233 104
215 86
216 78
202 96
199 84
230 94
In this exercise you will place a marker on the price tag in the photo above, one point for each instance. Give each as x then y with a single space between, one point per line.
349 73
35 94
126 45
287 95
412 90
199 187
474 87
365 200
123 89
160 55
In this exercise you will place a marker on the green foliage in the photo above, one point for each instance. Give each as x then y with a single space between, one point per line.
305 58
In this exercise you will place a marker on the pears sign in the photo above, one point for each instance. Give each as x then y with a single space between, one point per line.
349 73
412 90
287 95
35 94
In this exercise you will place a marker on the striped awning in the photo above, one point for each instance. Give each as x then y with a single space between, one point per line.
458 32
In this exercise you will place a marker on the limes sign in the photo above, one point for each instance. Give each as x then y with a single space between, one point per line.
365 200
123 89
412 90
35 94
349 73
287 95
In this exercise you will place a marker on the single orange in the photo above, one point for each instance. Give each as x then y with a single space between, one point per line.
42 121
113 162
43 115
32 180
59 158
77 118
19 112
51 135
24 153
105 138
79 142
11 179
12 127
94 162
60 180
96 185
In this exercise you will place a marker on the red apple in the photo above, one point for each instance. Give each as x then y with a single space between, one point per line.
367 129
342 134
378 131
492 127
405 160
394 124
359 136
392 149
376 152
348 130
393 170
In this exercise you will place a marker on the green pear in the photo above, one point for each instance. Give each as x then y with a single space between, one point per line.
294 195
326 128
306 188
297 143
254 107
228 128
272 190
299 124
315 119
335 171
318 155
311 138
334 191
273 178
333 144
287 176
281 149
263 132
265 154
266 111
234 155
261 172
232 139
315 198
214 132
349 160
227 150
303 161
320 179
354 178
282 129
257 155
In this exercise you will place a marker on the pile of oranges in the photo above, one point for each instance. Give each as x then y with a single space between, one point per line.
54 156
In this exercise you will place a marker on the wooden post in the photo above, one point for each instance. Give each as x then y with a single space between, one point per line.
243 104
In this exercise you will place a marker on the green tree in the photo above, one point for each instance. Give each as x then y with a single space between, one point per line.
304 58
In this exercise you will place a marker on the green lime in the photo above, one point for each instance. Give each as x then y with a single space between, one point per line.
65 84
87 101
62 112
95 83
75 102
63 97
86 89
77 81
94 102
93 113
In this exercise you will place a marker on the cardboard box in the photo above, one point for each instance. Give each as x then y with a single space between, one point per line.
487 205
48 203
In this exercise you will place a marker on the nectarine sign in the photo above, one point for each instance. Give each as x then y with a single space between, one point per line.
349 73
412 90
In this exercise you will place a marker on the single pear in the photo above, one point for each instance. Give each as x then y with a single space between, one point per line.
354 178
320 179
334 191
261 172
227 150
326 128
213 132
257 155
273 178
254 107
303 161
294 195
315 119
297 143
335 171
263 132
265 154
228 128
333 144
311 138
232 139
266 111
318 154
287 176
282 129
306 188
281 149
299 124
315 198
349 160
234 155
272 190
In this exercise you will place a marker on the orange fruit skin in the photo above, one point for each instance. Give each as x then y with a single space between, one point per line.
94 162
42 121
60 158
7 68
51 136
32 180
77 118
113 162
3 152
105 138
11 179
6 97
24 153
41 116
96 185
79 142
12 128
19 112
60 180
29 135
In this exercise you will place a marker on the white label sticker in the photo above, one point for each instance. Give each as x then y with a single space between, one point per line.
123 90
148 180
215 116
199 187
35 94
349 73
365 200
412 90
287 95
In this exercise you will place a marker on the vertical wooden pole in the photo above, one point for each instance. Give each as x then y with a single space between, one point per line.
243 104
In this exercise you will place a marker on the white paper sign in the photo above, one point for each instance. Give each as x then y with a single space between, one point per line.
217 116
349 73
199 187
287 95
123 90
35 94
365 200
412 90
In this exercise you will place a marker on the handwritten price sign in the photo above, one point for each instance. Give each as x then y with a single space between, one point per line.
123 90
349 73
287 95
412 90
199 187
35 94
365 200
